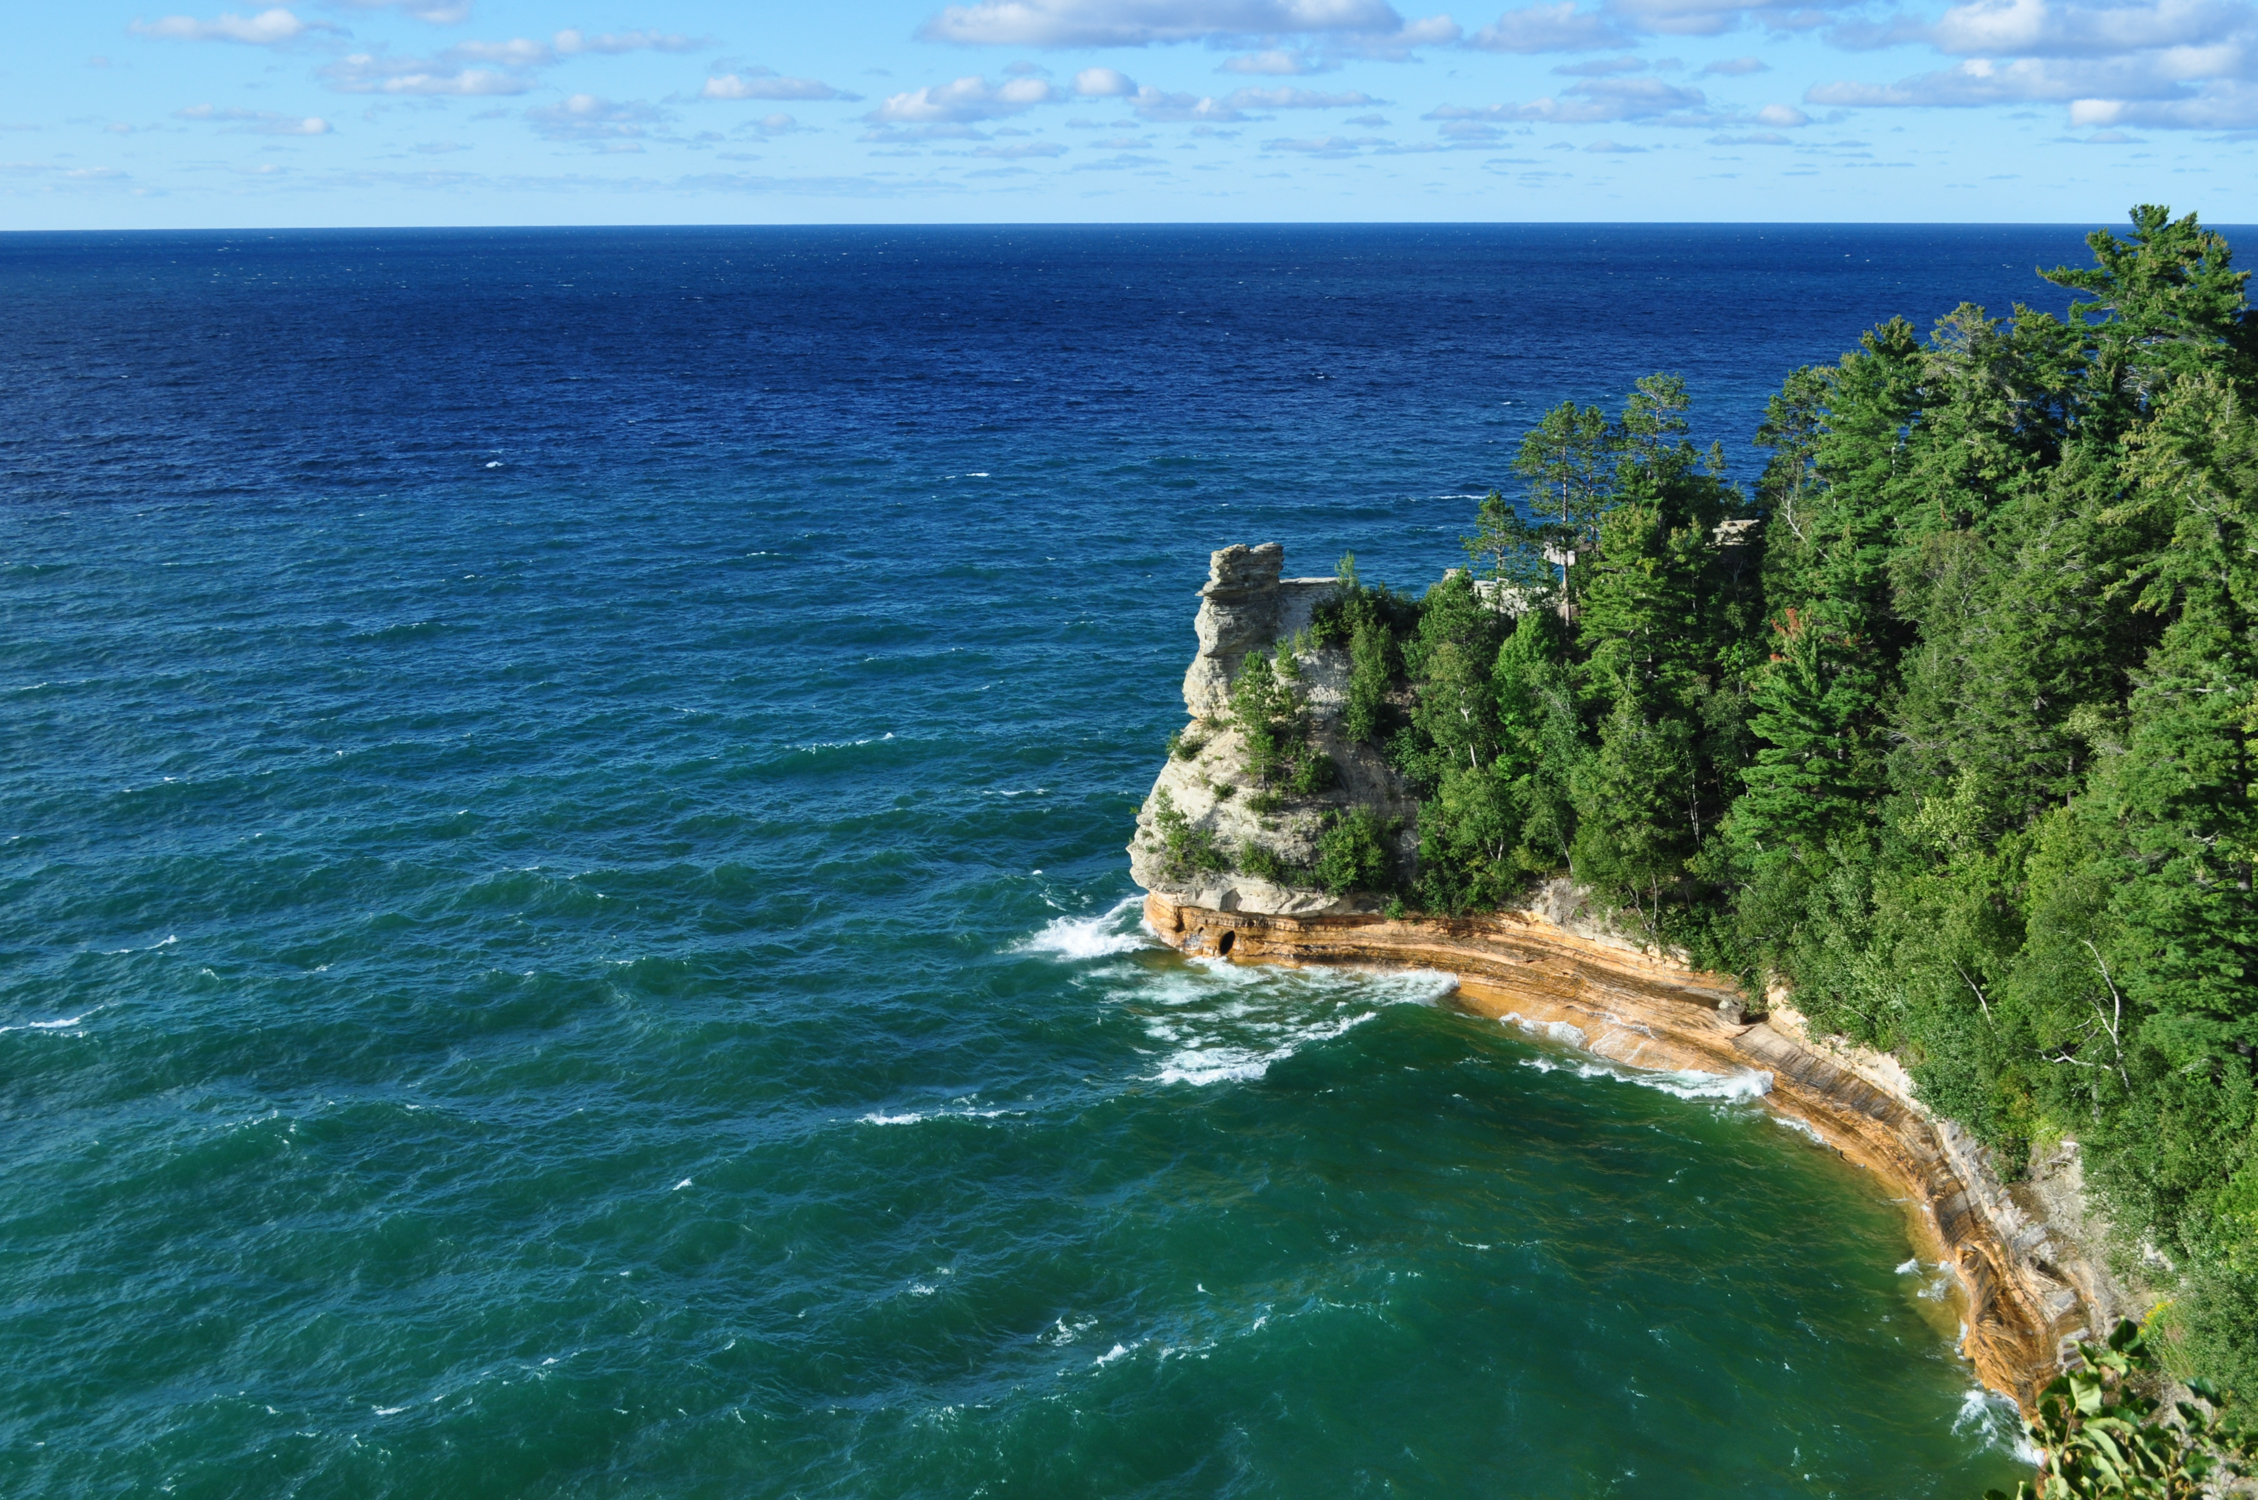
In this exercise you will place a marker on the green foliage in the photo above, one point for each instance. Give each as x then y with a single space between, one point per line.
1352 853
1264 863
2099 1437
1271 710
1952 725
1184 849
1185 744
1370 622
1566 461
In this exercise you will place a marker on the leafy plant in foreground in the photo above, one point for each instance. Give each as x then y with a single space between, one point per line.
2098 1438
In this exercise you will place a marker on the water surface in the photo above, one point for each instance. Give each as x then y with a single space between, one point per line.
563 929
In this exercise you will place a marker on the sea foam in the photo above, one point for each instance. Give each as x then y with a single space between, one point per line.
1075 938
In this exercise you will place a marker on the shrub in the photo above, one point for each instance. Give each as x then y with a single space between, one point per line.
1352 853
1186 743
1185 850
1312 774
1263 863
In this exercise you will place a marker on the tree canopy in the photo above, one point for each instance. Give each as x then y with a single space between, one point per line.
1946 722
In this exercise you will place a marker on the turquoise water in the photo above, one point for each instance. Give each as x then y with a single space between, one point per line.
614 973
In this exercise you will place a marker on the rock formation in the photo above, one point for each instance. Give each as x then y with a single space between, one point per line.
2023 1256
1247 607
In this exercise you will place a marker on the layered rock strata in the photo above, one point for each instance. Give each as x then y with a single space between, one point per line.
1556 969
1607 998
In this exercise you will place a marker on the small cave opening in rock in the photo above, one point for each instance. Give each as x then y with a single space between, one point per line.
1223 943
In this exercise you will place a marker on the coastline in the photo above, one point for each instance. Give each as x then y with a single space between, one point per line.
2026 1285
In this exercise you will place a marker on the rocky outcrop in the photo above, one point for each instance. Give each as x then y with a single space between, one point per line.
1247 607
2025 1284
2028 1263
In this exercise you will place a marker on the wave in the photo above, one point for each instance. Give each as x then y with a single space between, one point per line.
965 1111
814 745
1077 938
1993 1418
1682 1083
1228 1023
64 1025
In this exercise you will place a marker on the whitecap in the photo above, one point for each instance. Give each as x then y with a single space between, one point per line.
1692 1083
1200 1067
1801 1127
1994 1418
1682 1083
877 1119
1205 1061
1910 1267
65 1024
1075 938
1118 1351
1223 1022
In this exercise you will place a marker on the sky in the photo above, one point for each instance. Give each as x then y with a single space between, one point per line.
318 113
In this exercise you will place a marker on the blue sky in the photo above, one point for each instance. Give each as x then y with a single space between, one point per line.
358 112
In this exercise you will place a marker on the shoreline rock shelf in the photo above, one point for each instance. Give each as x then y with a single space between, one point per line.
2028 1279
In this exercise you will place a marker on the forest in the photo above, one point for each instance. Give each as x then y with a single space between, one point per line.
1944 728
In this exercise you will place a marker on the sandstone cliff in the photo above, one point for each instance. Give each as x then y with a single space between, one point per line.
2028 1260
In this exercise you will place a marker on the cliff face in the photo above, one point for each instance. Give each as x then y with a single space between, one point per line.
1562 972
1247 607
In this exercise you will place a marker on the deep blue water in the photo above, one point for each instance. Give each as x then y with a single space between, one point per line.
561 886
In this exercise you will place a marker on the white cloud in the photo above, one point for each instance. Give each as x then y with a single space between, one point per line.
2173 64
1549 28
1331 147
1016 151
1601 67
1140 23
374 73
478 68
518 52
2228 104
585 117
1103 83
2196 88
256 121
1293 98
961 102
1277 62
437 12
265 29
1158 108
1738 67
762 83
2039 28
568 42
1597 101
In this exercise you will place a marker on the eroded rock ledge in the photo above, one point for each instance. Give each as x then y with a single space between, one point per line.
2026 1288
2028 1278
